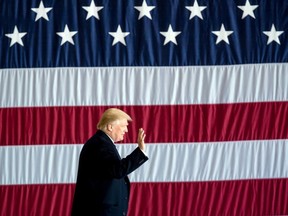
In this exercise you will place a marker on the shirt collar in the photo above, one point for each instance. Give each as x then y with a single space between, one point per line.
110 138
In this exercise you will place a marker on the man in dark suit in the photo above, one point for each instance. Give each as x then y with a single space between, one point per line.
102 186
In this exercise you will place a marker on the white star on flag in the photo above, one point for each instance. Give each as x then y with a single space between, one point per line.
67 35
170 35
144 10
222 34
273 35
248 9
92 10
16 37
119 36
41 11
196 10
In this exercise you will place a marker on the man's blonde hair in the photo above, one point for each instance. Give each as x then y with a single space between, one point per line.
110 115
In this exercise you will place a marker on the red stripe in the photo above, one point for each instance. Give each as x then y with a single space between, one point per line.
36 200
177 123
247 197
250 197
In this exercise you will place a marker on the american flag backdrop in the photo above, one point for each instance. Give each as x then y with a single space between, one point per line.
206 79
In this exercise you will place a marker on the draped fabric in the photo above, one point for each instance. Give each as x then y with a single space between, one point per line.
206 79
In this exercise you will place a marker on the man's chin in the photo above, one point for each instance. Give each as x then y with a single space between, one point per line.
119 140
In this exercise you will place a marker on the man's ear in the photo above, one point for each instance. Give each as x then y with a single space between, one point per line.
109 127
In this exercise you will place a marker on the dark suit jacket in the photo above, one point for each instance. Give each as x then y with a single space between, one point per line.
102 186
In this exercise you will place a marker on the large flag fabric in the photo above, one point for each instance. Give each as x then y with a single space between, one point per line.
206 79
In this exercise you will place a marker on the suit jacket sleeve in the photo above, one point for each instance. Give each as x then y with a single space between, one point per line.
119 168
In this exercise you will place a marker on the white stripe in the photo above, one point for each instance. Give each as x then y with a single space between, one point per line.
143 86
167 162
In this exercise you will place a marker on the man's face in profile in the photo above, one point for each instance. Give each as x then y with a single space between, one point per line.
118 130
